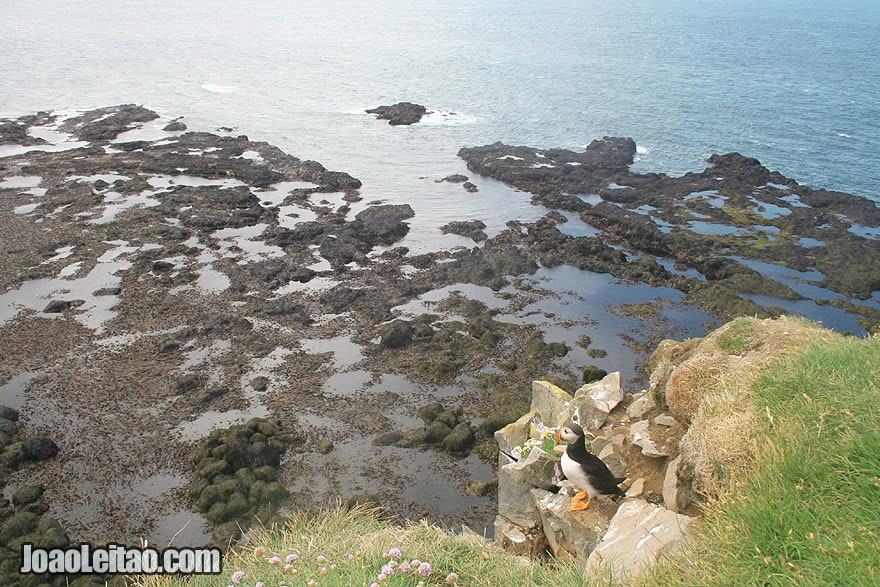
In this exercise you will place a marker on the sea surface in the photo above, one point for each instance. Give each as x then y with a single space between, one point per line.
794 83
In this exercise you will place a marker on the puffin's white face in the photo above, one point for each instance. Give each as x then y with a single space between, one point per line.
567 434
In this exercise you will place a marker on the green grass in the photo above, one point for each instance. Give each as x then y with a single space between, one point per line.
339 533
807 510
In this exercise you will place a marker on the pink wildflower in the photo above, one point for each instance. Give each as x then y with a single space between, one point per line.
237 576
387 571
424 569
323 571
405 568
291 557
312 583
394 553
414 563
275 560
351 558
288 567
321 558
259 584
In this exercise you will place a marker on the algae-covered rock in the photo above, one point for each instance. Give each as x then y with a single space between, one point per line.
460 439
237 474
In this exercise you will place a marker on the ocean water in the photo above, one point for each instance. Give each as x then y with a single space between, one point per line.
793 83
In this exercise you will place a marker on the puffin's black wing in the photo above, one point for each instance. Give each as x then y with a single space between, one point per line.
601 478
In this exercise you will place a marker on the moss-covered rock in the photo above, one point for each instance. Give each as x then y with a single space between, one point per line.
460 439
237 475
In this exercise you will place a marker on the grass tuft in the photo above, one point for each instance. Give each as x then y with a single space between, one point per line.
806 507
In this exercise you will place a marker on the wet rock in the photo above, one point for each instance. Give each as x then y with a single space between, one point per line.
20 524
161 267
460 440
213 394
640 436
8 427
169 346
456 178
174 126
189 382
27 495
236 471
397 335
638 534
105 124
400 114
472 229
8 413
107 291
470 187
260 383
429 412
380 225
41 448
59 306
436 431
387 438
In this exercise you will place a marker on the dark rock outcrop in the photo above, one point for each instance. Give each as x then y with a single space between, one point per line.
400 114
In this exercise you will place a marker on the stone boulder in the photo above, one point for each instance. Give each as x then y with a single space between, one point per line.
513 435
550 402
572 536
638 535
529 542
516 481
640 435
594 401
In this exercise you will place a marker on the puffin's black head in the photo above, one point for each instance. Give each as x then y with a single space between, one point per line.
570 433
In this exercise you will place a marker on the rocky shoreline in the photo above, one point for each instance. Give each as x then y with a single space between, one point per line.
159 284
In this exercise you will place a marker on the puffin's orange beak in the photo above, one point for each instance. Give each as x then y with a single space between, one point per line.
558 435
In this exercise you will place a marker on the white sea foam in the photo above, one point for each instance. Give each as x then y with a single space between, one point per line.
642 150
445 118
219 89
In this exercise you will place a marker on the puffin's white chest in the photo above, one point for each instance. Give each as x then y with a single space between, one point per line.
575 473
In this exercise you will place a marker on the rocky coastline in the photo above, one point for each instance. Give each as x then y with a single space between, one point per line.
193 281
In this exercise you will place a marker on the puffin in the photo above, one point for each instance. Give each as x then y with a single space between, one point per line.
584 469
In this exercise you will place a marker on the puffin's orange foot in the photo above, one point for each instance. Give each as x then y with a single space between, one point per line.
580 496
578 505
